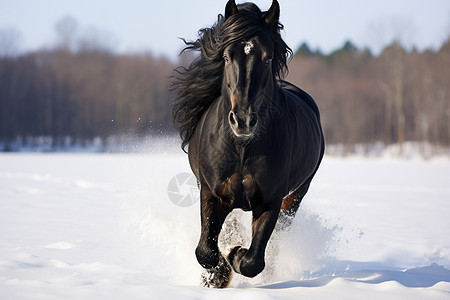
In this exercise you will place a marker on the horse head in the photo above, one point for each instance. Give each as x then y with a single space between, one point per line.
249 76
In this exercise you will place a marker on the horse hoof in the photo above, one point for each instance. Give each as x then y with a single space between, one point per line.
235 256
251 268
217 277
242 264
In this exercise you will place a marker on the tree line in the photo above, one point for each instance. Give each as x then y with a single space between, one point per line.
82 96
91 93
392 97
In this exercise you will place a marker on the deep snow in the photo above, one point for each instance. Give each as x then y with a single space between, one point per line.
89 226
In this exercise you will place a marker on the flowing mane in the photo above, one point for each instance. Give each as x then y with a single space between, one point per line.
200 84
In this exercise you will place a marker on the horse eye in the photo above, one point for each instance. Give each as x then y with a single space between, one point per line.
268 61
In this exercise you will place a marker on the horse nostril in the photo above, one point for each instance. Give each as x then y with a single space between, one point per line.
232 118
253 120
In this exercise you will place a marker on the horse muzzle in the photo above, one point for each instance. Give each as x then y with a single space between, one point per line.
243 125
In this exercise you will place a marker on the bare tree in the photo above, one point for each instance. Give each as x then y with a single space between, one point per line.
66 29
10 40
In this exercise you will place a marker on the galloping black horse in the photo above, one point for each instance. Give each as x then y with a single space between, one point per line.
254 141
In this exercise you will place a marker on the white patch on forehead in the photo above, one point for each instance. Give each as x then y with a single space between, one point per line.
248 47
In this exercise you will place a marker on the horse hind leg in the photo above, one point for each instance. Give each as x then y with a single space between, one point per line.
290 205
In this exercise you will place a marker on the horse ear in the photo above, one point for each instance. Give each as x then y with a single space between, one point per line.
273 14
230 9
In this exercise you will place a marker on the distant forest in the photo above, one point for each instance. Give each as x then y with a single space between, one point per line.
76 96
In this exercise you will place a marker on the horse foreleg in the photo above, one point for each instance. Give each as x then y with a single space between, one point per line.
213 214
250 262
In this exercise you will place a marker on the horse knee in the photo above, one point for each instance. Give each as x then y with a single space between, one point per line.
208 258
244 263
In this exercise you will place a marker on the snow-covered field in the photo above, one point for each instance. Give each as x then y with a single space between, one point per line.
102 226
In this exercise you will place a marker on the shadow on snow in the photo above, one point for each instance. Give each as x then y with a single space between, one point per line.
373 273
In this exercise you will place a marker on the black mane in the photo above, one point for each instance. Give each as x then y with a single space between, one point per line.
200 84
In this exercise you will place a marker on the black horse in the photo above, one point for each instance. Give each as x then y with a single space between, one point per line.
254 141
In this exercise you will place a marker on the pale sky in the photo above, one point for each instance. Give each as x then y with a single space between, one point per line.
138 26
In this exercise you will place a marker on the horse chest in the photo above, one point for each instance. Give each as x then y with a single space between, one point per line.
241 182
239 191
243 176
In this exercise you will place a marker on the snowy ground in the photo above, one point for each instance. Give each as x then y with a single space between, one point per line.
90 226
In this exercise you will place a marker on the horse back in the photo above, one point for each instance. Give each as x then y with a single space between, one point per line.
304 96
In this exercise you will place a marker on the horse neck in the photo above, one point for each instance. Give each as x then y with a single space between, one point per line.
272 94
